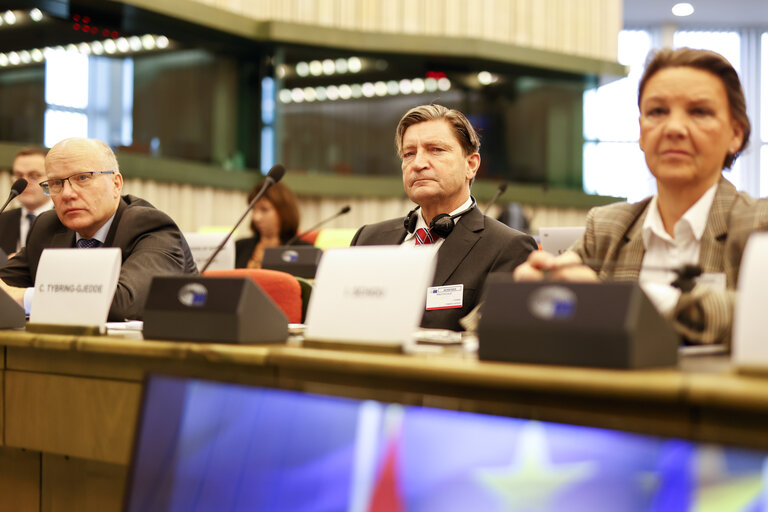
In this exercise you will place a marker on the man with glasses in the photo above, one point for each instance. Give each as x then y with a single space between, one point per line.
29 163
84 182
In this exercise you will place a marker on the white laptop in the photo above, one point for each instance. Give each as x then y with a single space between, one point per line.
202 246
372 294
560 239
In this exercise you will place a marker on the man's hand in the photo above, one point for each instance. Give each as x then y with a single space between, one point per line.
16 294
542 265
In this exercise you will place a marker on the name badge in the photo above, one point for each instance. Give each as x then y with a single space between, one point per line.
445 297
715 280
75 286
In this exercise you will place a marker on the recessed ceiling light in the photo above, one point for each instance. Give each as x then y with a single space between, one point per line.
682 9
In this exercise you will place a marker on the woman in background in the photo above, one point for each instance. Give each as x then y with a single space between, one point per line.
274 221
693 124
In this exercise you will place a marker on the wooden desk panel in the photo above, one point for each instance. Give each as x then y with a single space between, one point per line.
82 417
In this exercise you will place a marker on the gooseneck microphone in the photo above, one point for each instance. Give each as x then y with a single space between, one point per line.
324 221
17 188
502 188
274 175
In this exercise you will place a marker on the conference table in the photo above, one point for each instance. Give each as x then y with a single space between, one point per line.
70 403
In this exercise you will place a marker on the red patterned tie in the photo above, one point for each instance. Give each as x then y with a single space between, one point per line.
424 237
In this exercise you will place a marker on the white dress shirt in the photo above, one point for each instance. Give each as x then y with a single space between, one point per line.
665 252
100 235
24 223
410 238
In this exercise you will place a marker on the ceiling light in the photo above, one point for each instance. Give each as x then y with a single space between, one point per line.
354 64
417 84
345 91
329 67
26 58
316 68
332 92
357 91
14 58
110 46
297 95
341 66
444 84
36 14
302 69
123 45
682 9
162 42
9 17
135 42
37 55
285 96
147 41
3 60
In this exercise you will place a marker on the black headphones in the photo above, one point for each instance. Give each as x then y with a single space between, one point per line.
441 225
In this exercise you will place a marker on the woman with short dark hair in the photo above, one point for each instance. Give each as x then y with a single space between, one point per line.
693 124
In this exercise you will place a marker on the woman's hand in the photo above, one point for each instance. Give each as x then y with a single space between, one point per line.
542 265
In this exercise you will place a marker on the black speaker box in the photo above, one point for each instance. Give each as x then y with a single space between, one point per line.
608 325
297 260
219 309
12 315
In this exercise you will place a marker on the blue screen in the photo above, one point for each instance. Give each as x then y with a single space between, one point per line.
208 446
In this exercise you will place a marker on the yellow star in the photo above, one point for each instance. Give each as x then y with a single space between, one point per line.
531 481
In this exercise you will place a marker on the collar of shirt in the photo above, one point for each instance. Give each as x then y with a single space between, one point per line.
47 206
421 223
101 234
690 226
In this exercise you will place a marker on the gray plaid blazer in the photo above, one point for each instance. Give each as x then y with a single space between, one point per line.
613 246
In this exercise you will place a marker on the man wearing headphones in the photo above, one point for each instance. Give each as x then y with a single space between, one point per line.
438 149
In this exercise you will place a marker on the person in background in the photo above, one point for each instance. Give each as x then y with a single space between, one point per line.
29 163
693 124
84 181
274 221
439 154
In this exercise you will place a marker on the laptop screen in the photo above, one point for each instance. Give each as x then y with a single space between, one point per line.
208 446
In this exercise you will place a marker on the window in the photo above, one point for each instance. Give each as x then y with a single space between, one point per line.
88 96
613 162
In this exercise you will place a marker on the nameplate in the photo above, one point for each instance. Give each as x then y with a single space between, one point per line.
202 246
75 286
750 351
370 294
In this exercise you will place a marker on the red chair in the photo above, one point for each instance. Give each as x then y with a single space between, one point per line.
281 287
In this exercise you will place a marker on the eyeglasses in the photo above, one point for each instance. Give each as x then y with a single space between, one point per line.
78 181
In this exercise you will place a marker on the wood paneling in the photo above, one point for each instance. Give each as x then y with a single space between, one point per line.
71 484
19 480
81 417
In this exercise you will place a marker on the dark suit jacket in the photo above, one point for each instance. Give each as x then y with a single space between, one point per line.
9 230
245 246
477 246
150 241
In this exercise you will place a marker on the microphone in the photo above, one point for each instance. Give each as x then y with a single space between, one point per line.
502 188
17 188
274 175
324 221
